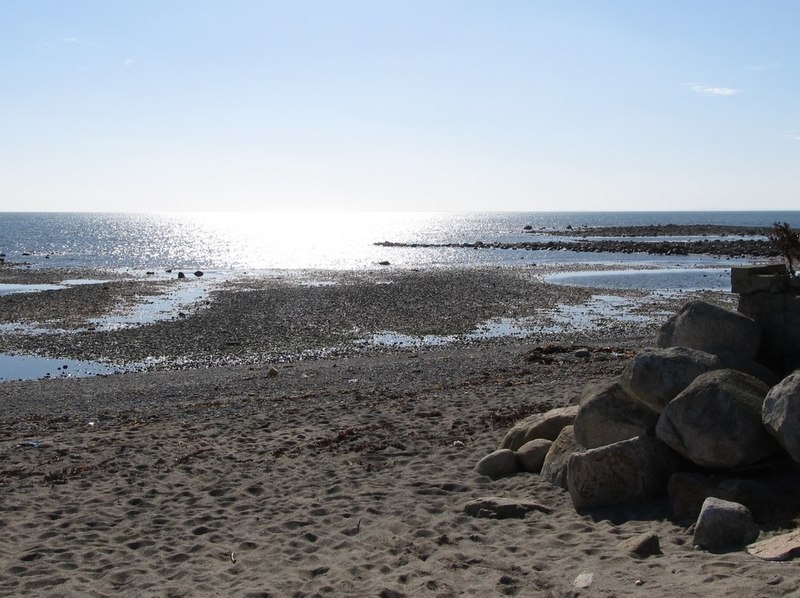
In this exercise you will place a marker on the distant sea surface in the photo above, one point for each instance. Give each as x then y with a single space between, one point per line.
253 242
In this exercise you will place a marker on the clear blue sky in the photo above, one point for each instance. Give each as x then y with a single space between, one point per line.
146 105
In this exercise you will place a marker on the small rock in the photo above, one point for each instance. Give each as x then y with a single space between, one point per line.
643 545
198 273
583 354
499 464
384 263
181 275
724 525
272 372
780 548
531 454
493 507
583 581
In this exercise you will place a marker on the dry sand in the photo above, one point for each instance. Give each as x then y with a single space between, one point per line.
344 476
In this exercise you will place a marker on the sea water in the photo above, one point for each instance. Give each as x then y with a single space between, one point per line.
265 241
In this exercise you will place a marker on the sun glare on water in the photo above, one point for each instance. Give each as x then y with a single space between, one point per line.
264 240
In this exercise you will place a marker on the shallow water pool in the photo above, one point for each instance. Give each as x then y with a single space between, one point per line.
31 367
666 279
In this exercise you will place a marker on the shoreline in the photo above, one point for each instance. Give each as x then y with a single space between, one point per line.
250 320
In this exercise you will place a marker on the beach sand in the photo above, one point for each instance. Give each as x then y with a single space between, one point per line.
344 476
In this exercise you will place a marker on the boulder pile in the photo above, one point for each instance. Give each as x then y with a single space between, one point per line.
697 417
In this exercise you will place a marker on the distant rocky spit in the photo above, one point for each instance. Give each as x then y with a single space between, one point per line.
739 245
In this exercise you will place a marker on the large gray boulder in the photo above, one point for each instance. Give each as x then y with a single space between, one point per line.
724 525
716 421
781 413
633 470
608 414
556 462
539 425
656 375
713 329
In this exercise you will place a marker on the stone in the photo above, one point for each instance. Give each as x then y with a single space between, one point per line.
546 425
181 275
556 462
583 353
713 329
608 414
530 455
494 507
630 471
716 421
272 372
781 414
583 580
656 375
198 273
780 548
499 464
642 545
724 525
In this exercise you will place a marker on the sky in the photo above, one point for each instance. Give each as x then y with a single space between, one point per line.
413 105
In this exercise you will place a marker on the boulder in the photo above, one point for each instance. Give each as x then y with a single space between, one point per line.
724 525
499 464
556 462
624 472
494 507
781 413
713 329
608 414
530 455
657 375
539 425
716 421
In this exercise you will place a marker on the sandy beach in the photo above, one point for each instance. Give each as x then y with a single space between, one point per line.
344 473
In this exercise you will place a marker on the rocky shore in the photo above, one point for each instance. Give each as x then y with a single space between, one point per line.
280 319
735 247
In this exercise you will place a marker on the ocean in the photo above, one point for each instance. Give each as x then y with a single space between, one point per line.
264 241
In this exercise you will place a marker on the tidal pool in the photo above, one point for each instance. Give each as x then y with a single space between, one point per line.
31 367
